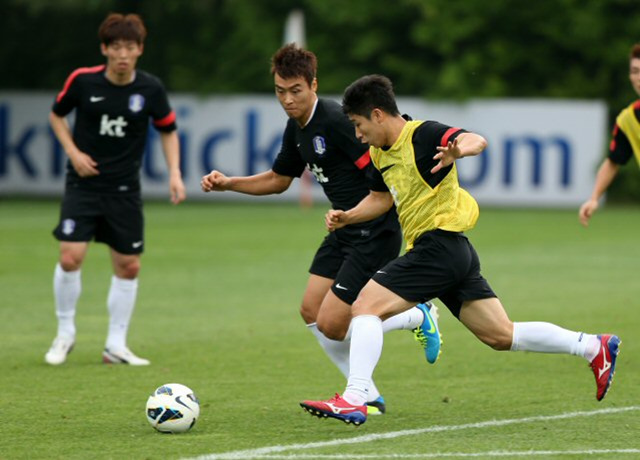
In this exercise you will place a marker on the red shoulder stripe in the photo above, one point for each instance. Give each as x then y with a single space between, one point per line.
74 74
363 161
450 132
166 121
636 105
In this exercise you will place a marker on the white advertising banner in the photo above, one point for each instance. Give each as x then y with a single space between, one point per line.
541 152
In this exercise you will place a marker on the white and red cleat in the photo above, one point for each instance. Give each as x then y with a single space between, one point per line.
337 407
604 364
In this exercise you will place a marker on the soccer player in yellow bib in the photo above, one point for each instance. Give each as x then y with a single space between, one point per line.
625 143
415 160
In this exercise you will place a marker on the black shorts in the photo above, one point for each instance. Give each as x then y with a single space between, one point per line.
116 220
441 264
352 263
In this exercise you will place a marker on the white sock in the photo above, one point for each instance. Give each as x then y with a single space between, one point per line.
409 319
120 303
338 353
66 289
548 338
366 348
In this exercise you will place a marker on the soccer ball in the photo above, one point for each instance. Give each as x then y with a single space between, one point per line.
173 408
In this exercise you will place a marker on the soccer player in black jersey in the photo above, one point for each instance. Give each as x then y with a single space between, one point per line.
415 161
113 104
320 137
625 142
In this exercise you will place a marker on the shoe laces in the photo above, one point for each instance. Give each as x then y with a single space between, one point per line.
419 336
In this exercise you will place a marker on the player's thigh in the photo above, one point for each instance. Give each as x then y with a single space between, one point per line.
488 321
314 294
79 216
375 299
122 224
334 317
361 261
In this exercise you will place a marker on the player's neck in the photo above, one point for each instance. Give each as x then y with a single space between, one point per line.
394 129
120 79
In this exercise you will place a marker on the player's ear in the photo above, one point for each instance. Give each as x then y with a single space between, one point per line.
103 49
377 115
314 85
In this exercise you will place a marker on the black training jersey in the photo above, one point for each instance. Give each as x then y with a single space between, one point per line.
111 124
327 146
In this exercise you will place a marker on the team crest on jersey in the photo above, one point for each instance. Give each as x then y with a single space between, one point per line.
136 102
68 226
319 145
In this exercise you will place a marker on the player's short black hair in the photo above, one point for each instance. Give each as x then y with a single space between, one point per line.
368 93
291 61
635 52
118 26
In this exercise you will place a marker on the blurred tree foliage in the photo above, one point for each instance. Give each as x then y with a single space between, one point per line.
436 49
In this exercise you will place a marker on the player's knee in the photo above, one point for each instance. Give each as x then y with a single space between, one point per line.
332 330
308 313
70 262
129 270
499 341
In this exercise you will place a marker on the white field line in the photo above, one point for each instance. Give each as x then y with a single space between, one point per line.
268 452
488 454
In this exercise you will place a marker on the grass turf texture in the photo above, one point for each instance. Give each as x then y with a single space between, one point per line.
217 311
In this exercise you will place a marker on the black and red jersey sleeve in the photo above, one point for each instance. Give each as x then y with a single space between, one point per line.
620 150
343 136
426 138
164 118
374 179
289 162
69 97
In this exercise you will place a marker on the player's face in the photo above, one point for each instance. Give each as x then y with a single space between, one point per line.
296 97
634 74
122 56
369 130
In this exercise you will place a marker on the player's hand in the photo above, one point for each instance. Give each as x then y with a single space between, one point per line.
176 188
214 181
84 165
586 211
446 155
335 219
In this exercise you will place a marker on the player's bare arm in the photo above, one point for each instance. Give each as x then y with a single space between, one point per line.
84 165
465 145
373 205
607 172
266 183
171 149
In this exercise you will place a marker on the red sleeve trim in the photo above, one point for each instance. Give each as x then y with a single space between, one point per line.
74 74
363 161
636 105
612 144
166 121
450 132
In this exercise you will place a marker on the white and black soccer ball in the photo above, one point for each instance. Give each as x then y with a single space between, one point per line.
173 408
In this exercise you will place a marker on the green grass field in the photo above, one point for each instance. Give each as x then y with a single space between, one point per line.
218 311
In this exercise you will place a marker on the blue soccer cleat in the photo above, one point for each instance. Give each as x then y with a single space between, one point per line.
376 407
427 333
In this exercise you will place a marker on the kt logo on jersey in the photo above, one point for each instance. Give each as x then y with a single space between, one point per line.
112 127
